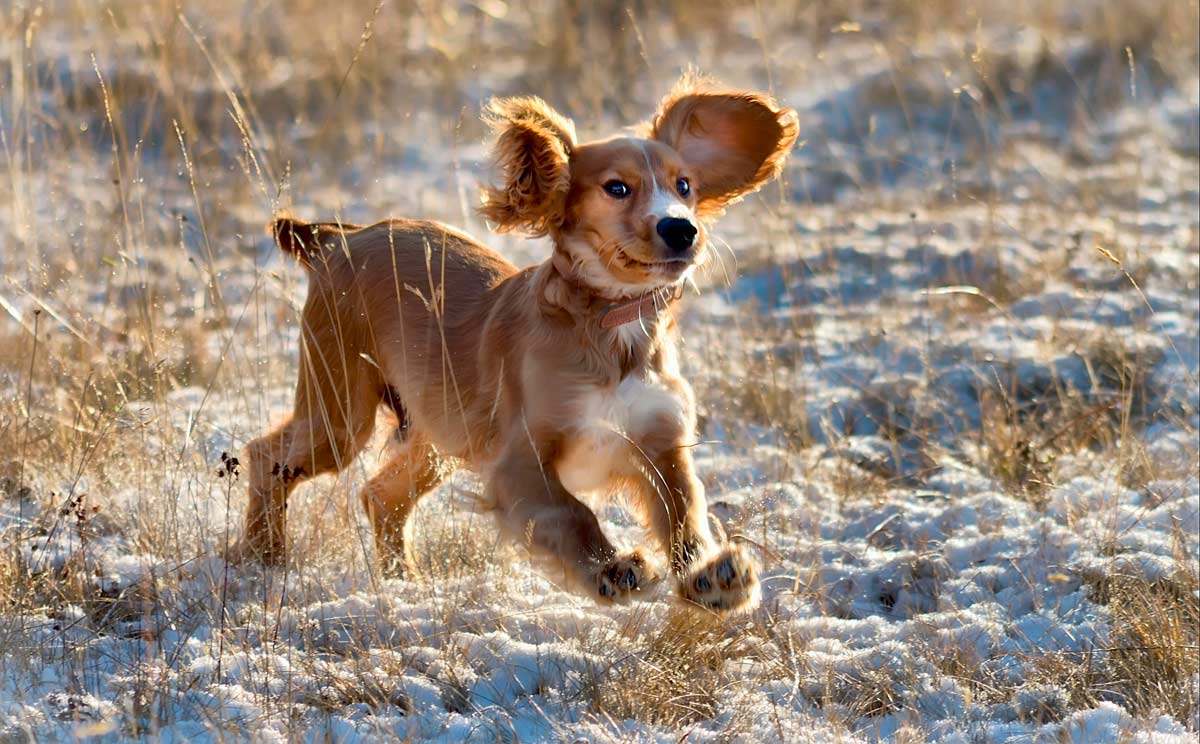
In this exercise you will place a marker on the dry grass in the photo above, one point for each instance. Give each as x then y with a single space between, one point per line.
1023 430
672 680
1151 666
771 357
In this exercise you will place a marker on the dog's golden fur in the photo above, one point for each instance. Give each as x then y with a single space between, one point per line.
509 371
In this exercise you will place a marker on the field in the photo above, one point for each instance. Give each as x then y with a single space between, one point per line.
947 369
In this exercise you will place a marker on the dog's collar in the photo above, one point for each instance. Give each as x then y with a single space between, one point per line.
646 307
617 314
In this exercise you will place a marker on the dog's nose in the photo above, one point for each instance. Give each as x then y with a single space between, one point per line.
677 233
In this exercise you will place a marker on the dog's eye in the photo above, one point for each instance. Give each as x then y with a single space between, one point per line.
683 187
617 189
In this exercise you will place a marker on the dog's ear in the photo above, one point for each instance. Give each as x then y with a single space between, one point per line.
533 146
734 141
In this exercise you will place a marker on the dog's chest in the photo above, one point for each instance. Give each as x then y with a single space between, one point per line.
612 423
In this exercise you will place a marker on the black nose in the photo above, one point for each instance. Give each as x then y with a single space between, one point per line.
677 233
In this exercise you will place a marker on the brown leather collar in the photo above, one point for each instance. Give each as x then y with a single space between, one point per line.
617 314
646 307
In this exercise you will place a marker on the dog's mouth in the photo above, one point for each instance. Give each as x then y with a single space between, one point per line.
672 267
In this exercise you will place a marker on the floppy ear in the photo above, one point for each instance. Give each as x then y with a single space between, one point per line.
734 141
533 145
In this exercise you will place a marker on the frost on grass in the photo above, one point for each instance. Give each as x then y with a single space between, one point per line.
947 374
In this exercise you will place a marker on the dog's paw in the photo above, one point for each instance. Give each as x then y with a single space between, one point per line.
623 577
724 582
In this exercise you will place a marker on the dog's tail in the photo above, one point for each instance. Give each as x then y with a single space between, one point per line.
307 241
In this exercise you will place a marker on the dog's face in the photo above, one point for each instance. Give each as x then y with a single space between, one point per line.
630 219
629 212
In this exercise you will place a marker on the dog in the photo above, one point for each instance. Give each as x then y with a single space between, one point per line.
552 382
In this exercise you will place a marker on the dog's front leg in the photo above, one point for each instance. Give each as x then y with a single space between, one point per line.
534 507
713 574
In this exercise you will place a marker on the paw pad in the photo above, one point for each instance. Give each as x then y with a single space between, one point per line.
623 576
725 581
725 571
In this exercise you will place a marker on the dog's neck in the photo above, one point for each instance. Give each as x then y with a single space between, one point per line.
643 308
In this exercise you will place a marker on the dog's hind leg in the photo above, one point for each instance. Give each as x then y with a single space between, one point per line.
278 462
329 426
263 535
389 497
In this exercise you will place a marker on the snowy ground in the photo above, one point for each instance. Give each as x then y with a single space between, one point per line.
947 373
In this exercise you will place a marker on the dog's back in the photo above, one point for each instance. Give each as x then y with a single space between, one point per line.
375 315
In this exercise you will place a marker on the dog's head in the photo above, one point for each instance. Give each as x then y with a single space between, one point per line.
629 212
